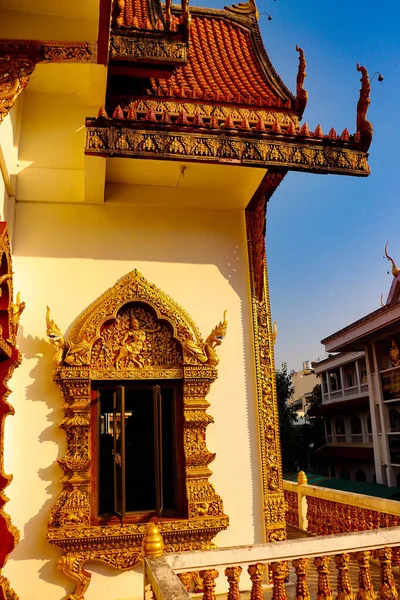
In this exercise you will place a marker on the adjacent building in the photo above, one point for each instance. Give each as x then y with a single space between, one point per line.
361 395
303 382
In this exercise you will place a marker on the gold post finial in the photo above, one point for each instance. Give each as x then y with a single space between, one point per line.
395 270
302 478
153 544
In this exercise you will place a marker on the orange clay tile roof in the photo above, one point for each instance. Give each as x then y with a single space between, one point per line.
223 65
137 14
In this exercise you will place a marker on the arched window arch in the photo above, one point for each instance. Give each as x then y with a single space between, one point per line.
360 475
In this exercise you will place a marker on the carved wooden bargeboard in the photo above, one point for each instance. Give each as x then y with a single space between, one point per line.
133 332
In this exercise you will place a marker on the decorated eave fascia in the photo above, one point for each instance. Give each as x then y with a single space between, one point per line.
194 138
225 104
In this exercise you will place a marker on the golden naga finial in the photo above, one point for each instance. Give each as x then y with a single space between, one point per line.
55 336
364 127
301 93
215 339
395 270
274 333
17 308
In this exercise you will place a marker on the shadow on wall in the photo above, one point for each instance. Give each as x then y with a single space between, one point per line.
120 232
33 544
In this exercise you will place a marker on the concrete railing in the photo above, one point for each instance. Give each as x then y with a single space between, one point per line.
172 576
322 511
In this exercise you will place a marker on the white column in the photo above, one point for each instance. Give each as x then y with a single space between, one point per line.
328 384
376 421
358 376
342 380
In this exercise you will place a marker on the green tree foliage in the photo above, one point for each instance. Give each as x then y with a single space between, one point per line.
290 438
298 442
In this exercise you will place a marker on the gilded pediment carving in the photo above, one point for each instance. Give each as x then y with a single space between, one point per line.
135 326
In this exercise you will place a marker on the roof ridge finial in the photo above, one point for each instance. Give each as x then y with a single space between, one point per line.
244 8
301 93
395 270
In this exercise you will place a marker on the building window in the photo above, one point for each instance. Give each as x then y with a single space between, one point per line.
394 418
335 381
355 428
364 376
139 433
349 379
360 475
340 430
344 474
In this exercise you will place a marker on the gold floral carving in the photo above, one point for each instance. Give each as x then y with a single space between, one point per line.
265 150
206 111
10 358
14 76
147 49
274 501
133 331
37 51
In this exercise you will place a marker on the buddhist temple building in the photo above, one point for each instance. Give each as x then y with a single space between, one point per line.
139 145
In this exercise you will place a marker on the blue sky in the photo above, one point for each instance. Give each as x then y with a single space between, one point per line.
326 234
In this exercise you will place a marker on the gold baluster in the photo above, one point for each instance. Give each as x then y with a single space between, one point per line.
387 589
322 566
344 591
362 521
186 580
301 568
365 588
233 575
280 572
256 573
209 584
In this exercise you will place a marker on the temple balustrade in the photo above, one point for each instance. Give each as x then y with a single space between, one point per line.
312 567
323 511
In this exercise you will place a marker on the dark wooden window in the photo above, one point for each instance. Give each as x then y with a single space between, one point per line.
138 440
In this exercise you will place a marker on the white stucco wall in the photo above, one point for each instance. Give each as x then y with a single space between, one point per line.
65 256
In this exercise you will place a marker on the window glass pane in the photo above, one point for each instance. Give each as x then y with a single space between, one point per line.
139 445
106 460
168 447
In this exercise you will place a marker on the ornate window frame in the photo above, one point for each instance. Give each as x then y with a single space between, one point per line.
70 525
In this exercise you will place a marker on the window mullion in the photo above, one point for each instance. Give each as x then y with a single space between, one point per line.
119 453
158 448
